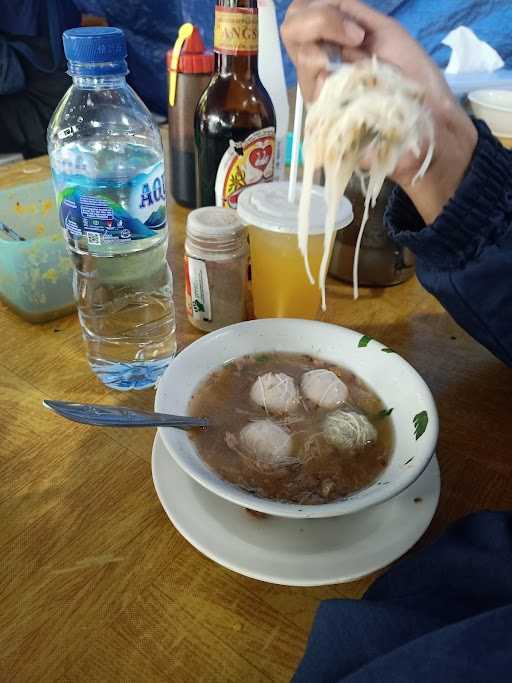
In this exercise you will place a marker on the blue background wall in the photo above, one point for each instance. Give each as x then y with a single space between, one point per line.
151 27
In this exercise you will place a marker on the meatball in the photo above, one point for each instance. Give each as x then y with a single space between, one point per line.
349 430
267 442
324 388
277 393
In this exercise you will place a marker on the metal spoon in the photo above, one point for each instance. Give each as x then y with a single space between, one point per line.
10 232
110 416
333 53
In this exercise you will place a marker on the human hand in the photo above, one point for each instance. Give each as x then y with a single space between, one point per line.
360 32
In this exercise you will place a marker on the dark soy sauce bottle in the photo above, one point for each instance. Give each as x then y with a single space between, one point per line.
235 120
189 69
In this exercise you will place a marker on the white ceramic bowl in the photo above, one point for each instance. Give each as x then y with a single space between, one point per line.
396 382
495 108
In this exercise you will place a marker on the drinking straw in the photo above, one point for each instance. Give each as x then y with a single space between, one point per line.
297 128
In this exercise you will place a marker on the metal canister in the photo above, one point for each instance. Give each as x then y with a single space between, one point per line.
382 262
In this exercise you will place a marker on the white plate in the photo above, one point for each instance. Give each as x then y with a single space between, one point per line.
294 552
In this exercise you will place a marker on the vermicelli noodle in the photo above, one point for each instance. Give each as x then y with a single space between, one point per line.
366 111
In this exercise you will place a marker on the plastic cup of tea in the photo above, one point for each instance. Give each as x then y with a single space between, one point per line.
280 286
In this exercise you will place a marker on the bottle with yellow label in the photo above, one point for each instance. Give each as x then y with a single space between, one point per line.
235 120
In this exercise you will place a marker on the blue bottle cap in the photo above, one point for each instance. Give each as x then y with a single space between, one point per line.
95 51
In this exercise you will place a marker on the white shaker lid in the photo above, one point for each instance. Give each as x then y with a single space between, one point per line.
212 222
266 206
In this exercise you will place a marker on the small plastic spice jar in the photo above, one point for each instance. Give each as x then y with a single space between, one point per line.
216 262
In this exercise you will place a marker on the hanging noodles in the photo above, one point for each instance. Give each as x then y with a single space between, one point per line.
365 111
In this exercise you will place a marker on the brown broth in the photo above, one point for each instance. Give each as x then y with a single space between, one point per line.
320 472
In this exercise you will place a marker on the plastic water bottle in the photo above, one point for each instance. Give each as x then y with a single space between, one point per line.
108 171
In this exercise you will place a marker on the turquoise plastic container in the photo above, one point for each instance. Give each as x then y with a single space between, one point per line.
36 275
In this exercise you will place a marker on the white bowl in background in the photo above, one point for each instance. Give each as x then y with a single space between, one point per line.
399 386
495 108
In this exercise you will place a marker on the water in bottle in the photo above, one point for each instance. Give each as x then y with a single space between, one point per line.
108 171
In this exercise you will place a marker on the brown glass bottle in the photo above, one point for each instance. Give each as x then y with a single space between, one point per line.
235 119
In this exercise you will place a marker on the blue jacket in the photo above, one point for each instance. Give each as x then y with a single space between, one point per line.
23 20
444 615
465 257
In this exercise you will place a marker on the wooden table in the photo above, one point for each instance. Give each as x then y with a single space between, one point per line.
97 585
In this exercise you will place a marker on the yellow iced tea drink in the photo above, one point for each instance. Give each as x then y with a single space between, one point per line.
280 286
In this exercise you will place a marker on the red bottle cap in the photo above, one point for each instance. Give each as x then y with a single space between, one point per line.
193 59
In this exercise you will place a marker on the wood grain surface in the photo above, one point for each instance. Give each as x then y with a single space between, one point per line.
97 585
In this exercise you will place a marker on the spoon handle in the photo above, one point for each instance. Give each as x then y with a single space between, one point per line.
10 232
333 53
110 416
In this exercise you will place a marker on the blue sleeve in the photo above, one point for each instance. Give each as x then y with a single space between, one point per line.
465 257
443 614
12 76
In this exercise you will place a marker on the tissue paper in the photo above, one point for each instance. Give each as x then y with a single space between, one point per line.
469 53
